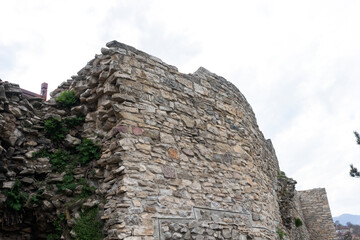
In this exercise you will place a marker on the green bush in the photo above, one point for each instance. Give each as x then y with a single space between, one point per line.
59 160
71 122
36 198
87 190
298 222
15 198
56 235
67 183
88 227
281 234
67 99
87 151
55 130
40 154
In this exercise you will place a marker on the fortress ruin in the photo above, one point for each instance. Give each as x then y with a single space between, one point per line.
182 157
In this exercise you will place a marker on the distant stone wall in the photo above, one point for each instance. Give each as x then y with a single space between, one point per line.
317 214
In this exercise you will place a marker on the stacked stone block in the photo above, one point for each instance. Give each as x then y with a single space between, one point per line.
317 214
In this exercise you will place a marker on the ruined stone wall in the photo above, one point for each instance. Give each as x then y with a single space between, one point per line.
317 214
186 142
20 127
182 156
290 209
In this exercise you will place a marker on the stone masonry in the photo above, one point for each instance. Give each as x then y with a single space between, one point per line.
182 157
316 210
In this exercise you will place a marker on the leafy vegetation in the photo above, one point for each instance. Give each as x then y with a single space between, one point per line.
71 122
15 198
88 227
298 222
87 190
87 151
67 99
65 160
67 183
55 130
36 198
57 227
281 234
40 154
59 160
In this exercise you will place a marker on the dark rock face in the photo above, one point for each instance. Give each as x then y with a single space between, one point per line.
181 157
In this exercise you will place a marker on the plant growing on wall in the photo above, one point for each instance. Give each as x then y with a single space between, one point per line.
67 99
59 160
298 222
71 122
40 154
15 198
88 227
87 151
281 233
68 182
55 130
86 190
57 224
37 197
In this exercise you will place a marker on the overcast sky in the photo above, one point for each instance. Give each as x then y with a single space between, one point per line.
296 62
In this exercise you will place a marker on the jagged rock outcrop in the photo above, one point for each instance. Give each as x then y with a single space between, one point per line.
181 157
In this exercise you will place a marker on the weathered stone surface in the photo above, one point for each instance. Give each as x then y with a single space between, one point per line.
166 138
182 157
169 172
71 141
316 212
2 93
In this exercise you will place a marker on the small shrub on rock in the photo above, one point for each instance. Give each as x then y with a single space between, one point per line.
88 227
15 198
298 222
86 190
36 198
57 224
67 99
87 151
71 122
55 130
281 233
67 183
40 154
59 160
